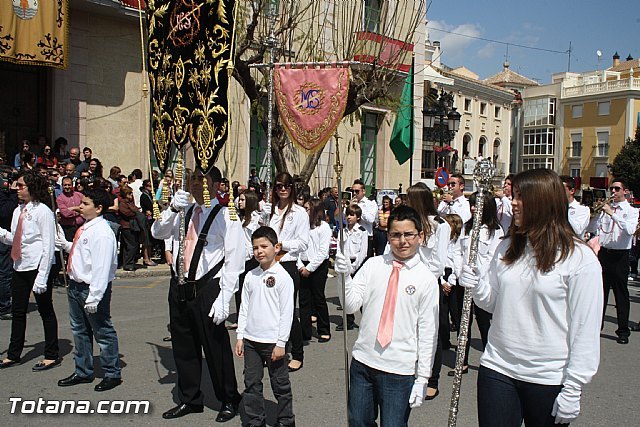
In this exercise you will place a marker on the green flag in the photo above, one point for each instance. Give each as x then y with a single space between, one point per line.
402 135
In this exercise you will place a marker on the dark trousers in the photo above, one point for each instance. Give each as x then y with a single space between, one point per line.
506 402
295 337
443 340
482 317
312 300
615 275
370 247
256 355
380 240
192 332
129 247
69 231
6 274
20 291
248 266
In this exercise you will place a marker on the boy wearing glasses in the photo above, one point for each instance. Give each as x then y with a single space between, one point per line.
615 226
394 352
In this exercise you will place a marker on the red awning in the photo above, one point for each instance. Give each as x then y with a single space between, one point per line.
134 3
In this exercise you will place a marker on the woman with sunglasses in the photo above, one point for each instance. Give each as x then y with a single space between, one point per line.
291 223
32 238
544 288
48 159
490 235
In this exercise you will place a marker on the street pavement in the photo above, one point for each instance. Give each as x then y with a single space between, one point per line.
140 315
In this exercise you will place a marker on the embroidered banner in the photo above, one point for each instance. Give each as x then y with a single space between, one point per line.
189 50
311 103
34 32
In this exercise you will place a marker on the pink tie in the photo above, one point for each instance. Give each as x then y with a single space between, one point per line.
75 240
192 237
16 248
385 329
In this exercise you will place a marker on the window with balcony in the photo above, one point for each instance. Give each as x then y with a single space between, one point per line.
372 15
537 163
467 105
602 149
576 145
539 142
483 108
496 112
574 170
481 145
576 111
539 112
603 108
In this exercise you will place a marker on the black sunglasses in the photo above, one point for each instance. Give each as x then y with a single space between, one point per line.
616 188
279 186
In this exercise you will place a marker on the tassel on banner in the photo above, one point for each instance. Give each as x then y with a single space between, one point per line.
233 214
205 194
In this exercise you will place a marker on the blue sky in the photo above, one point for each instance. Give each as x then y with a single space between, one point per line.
589 25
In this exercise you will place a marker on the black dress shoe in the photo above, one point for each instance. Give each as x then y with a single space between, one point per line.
636 328
229 411
623 340
350 327
108 384
41 366
74 379
324 339
284 425
9 363
427 397
182 410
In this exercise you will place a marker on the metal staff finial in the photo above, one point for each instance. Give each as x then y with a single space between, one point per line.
482 175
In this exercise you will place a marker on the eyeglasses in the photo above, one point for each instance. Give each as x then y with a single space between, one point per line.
616 188
280 186
357 191
408 236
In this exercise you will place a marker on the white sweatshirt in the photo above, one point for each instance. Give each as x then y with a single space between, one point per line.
546 326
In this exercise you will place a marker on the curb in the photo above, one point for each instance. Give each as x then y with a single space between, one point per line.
144 272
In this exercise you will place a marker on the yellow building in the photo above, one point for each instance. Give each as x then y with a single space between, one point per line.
599 111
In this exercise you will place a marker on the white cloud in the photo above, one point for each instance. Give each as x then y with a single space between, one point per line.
487 51
453 45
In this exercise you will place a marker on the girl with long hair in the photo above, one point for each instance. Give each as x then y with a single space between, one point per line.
250 217
433 253
490 235
544 288
95 168
291 224
32 237
313 265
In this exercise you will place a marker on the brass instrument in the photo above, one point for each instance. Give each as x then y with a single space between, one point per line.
597 207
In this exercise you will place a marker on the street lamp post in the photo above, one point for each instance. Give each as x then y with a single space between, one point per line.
441 121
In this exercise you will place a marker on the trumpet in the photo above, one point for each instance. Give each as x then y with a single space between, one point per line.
439 194
597 207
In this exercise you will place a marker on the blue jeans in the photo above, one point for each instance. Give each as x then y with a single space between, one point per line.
86 326
371 390
506 402
6 272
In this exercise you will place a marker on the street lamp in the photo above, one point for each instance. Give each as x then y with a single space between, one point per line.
441 121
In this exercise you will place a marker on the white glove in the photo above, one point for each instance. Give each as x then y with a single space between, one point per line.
91 307
417 393
39 288
219 311
181 200
266 208
453 280
566 408
469 277
61 241
342 264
